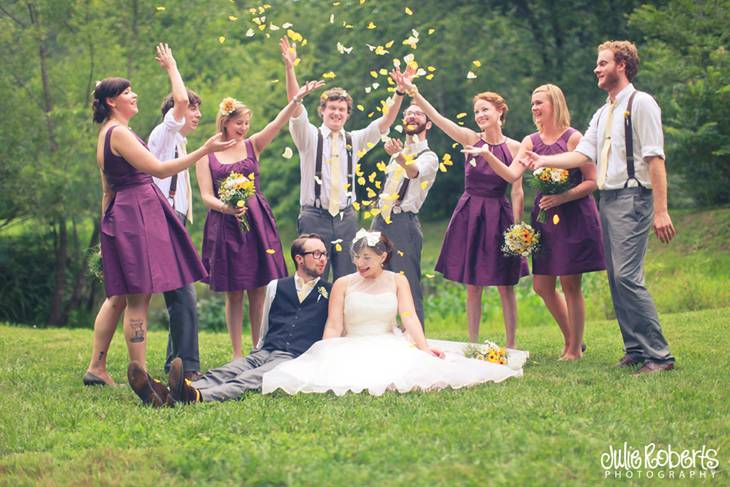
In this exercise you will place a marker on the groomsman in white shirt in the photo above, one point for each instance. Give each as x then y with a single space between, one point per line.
328 156
410 175
181 115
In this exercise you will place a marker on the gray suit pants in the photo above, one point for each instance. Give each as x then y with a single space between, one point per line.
626 216
244 374
343 226
183 325
405 233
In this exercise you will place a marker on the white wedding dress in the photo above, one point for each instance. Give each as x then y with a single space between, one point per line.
375 356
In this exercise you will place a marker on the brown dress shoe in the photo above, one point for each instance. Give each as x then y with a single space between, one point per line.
193 375
180 388
628 361
140 383
652 367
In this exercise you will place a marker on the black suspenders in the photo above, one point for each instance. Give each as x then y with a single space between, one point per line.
318 168
629 140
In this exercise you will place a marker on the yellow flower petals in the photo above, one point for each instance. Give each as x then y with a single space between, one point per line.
470 75
477 63
461 115
408 11
221 39
329 75
288 153
556 219
371 25
270 251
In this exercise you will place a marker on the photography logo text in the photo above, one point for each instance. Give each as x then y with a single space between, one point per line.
662 462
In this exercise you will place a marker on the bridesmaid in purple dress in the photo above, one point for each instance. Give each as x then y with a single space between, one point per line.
144 247
239 261
471 252
571 234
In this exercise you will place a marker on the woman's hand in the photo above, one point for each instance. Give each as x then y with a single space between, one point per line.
551 201
229 210
217 144
288 52
435 352
164 57
471 150
403 81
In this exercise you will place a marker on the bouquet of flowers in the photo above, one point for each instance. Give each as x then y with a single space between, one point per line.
550 181
520 239
235 190
488 351
94 263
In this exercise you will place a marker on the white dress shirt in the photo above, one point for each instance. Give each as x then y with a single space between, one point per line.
304 134
646 120
163 141
427 164
299 284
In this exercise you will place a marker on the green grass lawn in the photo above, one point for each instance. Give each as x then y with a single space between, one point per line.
549 427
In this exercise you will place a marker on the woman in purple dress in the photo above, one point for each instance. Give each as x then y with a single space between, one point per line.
471 253
571 234
238 260
144 247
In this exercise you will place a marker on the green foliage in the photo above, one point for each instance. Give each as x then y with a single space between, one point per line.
549 427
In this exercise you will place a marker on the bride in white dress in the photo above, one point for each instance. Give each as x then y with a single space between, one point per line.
362 348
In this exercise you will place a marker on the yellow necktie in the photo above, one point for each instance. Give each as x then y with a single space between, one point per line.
391 186
335 174
605 148
306 287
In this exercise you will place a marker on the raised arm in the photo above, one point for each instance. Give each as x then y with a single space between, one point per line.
336 310
179 93
263 138
289 54
123 142
462 135
408 317
508 173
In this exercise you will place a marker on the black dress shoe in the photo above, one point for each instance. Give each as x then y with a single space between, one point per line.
93 380
180 388
628 361
652 367
140 383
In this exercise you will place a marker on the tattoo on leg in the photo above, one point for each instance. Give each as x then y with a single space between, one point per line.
138 329
101 356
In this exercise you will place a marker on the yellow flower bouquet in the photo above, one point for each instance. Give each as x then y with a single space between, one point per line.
550 180
235 190
521 240
488 352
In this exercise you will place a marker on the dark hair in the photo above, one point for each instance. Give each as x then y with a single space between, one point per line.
107 88
169 102
297 246
383 245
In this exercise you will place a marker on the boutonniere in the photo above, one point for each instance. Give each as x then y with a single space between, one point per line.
322 293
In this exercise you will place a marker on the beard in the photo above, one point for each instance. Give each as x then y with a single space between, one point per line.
413 129
312 272
610 80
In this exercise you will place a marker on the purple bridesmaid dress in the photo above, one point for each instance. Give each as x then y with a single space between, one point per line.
238 260
144 247
471 252
572 242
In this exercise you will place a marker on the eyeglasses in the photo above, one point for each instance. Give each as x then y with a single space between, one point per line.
415 114
317 254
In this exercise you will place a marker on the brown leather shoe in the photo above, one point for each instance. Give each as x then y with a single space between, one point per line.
652 367
193 375
628 361
140 383
180 388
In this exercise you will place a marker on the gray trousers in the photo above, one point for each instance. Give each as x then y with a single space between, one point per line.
183 324
244 374
626 216
405 233
343 226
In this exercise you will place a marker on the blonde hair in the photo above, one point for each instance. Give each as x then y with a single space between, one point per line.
228 109
626 52
561 114
335 94
496 100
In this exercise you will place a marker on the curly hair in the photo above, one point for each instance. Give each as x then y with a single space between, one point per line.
625 52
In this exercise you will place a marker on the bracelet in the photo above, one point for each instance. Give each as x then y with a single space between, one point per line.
412 92
297 100
400 93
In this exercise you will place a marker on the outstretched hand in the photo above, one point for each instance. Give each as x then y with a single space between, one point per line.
393 146
308 87
471 150
404 81
164 57
217 144
288 52
531 160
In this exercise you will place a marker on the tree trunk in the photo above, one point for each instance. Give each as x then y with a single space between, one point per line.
80 282
55 317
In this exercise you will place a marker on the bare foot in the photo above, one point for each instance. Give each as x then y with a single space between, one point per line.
103 375
569 357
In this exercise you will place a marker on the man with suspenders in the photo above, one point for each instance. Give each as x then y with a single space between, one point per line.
328 160
625 139
181 115
410 175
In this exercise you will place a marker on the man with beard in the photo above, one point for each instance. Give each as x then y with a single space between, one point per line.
295 312
411 173
625 139
167 141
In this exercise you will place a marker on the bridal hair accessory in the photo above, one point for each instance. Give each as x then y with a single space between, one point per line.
227 106
373 238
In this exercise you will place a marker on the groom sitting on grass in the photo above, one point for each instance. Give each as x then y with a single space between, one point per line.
295 312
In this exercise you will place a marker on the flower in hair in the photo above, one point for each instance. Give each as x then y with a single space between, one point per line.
227 106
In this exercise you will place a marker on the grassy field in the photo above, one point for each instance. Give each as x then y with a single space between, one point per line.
550 427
